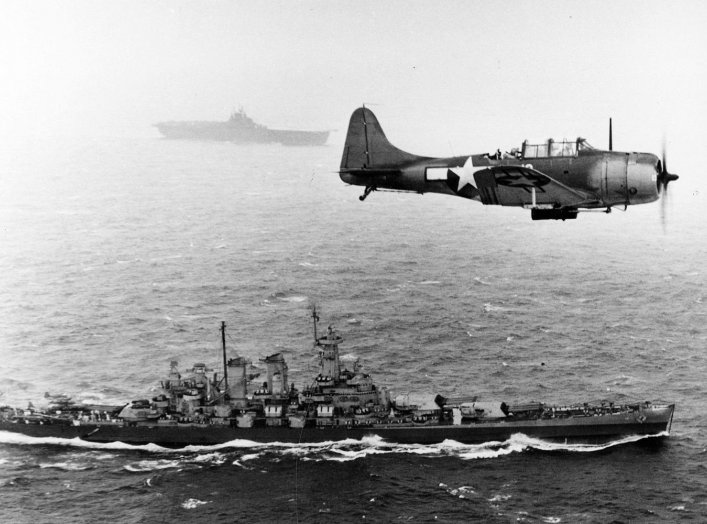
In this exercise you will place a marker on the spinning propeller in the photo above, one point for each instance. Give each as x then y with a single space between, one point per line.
664 178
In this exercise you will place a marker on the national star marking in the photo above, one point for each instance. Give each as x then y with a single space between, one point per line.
465 174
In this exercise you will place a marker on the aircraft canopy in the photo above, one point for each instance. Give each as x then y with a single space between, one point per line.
553 148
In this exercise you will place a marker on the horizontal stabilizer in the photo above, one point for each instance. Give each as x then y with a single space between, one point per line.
371 173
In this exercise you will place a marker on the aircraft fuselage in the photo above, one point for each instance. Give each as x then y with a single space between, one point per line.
554 179
608 178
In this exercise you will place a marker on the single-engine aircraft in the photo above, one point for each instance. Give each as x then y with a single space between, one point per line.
554 179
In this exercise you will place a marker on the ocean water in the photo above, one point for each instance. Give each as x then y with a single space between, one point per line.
119 255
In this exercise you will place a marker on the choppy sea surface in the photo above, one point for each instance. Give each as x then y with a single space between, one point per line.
119 255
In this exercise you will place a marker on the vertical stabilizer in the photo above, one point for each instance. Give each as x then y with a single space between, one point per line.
367 147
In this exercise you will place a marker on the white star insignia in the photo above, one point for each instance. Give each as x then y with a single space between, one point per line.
465 174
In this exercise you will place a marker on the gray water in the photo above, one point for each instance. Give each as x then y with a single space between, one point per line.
120 255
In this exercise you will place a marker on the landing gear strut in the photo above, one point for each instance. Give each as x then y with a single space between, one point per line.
366 192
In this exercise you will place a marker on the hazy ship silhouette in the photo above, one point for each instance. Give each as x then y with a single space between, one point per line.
240 128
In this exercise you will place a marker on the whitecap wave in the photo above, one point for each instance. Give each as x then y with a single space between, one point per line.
66 466
193 503
294 298
210 458
463 492
240 465
488 308
151 465
290 297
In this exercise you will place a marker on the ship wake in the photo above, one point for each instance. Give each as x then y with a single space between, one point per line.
336 451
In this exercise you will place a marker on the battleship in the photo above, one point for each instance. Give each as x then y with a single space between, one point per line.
203 407
240 128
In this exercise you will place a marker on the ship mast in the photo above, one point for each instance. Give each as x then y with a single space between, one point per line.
225 364
315 319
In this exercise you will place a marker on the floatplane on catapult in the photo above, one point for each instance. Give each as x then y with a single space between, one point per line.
554 179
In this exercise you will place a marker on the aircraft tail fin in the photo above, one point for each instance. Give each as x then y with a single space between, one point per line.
367 147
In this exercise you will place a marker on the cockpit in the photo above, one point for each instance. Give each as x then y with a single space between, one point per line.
554 149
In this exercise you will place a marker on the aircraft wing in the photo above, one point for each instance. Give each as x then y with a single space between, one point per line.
514 185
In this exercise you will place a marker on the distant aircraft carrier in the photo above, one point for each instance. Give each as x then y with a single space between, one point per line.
240 128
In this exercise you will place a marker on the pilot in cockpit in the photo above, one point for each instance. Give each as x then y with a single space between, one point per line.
496 156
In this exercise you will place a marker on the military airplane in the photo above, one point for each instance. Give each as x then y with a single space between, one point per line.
554 179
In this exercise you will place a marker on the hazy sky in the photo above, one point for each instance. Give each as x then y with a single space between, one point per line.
443 77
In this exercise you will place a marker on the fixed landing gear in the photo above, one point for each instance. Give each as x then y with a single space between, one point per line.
366 192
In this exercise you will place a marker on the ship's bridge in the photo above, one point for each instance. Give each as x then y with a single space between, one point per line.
554 148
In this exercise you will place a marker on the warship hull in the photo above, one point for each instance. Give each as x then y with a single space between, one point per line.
201 409
655 421
240 134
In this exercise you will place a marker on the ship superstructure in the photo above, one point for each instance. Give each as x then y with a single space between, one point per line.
336 396
203 406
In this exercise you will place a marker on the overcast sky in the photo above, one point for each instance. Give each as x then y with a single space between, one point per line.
443 77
